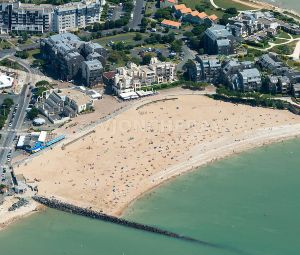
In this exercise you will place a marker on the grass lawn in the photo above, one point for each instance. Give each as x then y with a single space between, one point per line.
228 4
283 34
211 10
34 53
279 41
4 44
286 49
150 6
293 64
12 64
126 37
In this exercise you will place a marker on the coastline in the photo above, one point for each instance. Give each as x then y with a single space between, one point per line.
271 6
124 162
8 218
199 165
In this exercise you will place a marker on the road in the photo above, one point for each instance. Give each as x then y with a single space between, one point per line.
187 54
9 133
137 14
7 52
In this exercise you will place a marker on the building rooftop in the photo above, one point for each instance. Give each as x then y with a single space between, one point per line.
297 87
213 17
75 95
249 73
5 81
180 6
93 64
218 32
171 23
223 42
109 75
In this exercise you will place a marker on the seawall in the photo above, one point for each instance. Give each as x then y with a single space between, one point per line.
56 204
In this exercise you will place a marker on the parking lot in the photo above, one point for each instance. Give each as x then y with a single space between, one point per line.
115 12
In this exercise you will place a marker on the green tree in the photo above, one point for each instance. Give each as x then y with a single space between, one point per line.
146 59
8 102
176 46
232 11
33 113
42 83
138 37
22 54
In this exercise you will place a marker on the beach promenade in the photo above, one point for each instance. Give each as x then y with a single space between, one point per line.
142 147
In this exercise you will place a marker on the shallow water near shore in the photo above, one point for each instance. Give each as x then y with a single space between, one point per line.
288 4
248 204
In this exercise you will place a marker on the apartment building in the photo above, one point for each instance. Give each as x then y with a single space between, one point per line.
71 16
218 41
17 16
65 54
92 71
132 77
248 80
205 68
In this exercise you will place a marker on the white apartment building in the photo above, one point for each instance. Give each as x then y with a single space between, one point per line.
132 77
71 16
16 16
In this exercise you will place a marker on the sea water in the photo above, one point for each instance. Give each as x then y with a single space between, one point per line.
246 204
288 4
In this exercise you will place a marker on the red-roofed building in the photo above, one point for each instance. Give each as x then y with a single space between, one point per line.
170 23
213 17
108 78
195 17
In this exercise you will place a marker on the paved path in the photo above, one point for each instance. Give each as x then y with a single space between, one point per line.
296 53
272 45
214 4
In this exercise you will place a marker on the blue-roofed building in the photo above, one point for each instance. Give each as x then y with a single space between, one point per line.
218 41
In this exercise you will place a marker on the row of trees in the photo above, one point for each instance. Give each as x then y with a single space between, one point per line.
253 98
4 110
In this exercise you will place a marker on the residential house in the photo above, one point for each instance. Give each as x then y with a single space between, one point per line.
278 84
171 24
269 62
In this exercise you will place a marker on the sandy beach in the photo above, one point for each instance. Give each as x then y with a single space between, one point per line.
145 146
8 217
